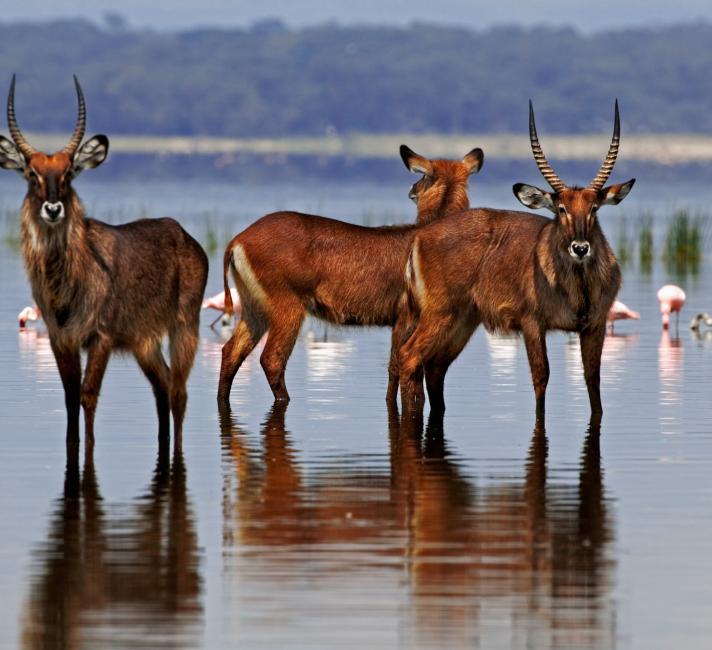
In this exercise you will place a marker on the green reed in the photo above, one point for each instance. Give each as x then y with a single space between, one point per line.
646 244
682 252
624 249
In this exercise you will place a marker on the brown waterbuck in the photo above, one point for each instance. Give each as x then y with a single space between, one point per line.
514 272
288 264
102 288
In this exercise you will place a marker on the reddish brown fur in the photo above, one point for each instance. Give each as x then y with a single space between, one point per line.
103 288
512 272
288 264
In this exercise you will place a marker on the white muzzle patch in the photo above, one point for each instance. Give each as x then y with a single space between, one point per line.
52 212
579 250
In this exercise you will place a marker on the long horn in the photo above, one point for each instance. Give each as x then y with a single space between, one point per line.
541 161
25 148
81 126
607 166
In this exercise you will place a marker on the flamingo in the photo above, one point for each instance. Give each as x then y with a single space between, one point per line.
217 302
620 311
671 299
28 313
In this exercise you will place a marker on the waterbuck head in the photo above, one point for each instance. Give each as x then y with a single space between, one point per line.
443 187
575 208
49 177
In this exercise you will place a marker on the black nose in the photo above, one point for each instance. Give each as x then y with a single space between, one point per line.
580 249
53 213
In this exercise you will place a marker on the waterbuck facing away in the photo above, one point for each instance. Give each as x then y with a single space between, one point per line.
103 288
288 264
514 272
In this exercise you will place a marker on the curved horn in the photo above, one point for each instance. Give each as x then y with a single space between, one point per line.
607 167
544 167
25 148
81 126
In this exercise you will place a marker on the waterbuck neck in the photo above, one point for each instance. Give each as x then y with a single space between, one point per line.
55 255
441 199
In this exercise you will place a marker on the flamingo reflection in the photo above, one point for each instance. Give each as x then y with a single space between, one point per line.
103 568
536 552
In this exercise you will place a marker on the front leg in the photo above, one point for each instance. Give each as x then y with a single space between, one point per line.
591 347
535 342
70 370
97 360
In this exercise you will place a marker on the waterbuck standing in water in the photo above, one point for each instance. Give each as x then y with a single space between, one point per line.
102 288
288 264
514 272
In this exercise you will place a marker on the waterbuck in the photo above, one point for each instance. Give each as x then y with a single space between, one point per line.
514 272
288 264
102 288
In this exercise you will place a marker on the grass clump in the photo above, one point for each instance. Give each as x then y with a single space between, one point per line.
682 252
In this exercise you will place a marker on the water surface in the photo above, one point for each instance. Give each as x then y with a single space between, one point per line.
333 523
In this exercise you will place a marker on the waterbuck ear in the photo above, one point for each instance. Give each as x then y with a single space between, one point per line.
533 197
473 160
417 164
91 154
10 156
614 194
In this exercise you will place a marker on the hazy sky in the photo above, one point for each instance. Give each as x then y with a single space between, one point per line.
165 14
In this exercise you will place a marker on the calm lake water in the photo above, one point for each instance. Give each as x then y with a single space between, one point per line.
332 524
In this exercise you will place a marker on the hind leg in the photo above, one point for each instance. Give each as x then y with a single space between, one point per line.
437 366
151 361
281 338
183 345
248 331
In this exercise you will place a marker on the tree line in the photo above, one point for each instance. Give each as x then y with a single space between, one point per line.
269 80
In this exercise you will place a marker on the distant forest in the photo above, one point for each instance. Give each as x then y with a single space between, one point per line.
269 80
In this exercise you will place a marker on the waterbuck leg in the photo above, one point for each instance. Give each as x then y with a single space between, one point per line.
97 360
437 366
183 345
535 342
151 361
402 330
70 370
281 338
248 331
591 348
417 351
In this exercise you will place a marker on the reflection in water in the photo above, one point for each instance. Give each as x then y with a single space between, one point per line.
615 349
670 364
36 353
511 563
127 578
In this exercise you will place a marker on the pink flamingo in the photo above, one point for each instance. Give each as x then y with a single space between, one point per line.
671 299
620 311
218 302
28 313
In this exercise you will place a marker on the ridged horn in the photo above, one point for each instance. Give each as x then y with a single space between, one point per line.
544 167
25 148
607 167
81 126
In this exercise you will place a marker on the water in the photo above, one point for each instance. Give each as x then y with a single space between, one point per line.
335 525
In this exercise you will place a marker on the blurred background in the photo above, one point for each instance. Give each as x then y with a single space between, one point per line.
272 89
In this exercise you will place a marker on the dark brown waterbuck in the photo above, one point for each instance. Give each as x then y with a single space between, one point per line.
514 272
288 264
103 288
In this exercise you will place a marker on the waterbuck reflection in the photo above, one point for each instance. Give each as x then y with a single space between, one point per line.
522 552
131 570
